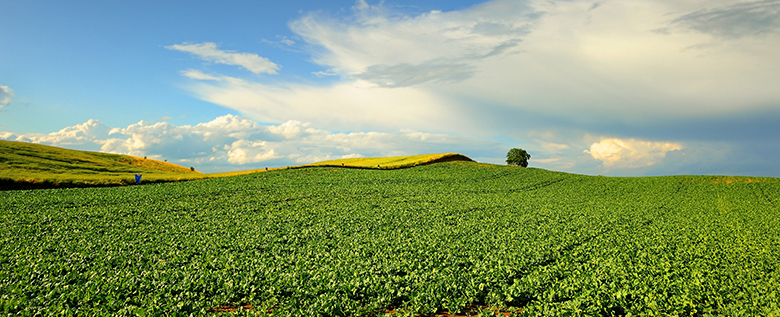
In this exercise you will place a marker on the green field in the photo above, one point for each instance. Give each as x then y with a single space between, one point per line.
451 236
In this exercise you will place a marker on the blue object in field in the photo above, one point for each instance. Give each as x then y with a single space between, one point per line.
138 178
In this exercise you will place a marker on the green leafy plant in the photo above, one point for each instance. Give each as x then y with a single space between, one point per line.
452 236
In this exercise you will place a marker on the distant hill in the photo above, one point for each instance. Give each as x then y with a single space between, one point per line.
385 163
393 162
27 165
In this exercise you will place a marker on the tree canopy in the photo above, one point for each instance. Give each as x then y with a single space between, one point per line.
517 157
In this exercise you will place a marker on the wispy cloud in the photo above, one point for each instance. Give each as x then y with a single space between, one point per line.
353 106
199 75
5 96
403 75
209 52
281 40
735 20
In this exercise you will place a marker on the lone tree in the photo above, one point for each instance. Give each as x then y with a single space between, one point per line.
517 157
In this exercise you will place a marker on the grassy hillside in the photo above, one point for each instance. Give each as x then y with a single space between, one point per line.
392 162
384 163
26 165
447 237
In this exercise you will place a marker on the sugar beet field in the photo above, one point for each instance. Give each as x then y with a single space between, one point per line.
448 237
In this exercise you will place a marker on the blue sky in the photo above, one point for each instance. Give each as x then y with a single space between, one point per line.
594 87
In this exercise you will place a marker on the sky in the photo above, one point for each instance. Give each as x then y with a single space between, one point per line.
616 88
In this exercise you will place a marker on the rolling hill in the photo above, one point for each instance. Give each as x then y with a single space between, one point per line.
392 162
30 166
27 165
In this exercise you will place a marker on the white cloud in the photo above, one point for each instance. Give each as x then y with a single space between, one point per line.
199 75
583 64
87 136
209 52
90 130
285 40
393 49
630 153
552 147
465 71
289 129
346 106
500 69
325 73
282 43
243 151
548 160
5 96
233 142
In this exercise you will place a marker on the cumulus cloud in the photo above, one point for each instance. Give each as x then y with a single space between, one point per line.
231 142
209 52
5 96
86 136
630 153
244 151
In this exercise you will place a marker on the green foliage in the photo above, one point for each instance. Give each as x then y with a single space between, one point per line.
517 157
349 242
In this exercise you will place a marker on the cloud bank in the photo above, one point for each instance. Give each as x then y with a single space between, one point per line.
593 87
235 143
231 142
574 62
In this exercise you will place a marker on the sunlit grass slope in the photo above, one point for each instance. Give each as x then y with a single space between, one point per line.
26 165
160 165
393 162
